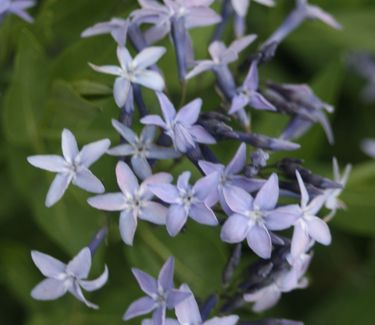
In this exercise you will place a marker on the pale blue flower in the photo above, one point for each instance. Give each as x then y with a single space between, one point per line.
248 93
134 201
134 71
73 166
308 226
186 200
180 126
140 148
18 8
254 218
117 27
161 294
62 278
368 147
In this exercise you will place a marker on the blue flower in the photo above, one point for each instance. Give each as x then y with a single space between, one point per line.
18 8
62 278
180 126
140 148
186 200
72 167
161 294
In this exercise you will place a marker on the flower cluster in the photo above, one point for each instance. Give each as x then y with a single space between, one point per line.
244 198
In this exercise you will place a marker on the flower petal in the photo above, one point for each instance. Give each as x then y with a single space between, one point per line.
124 57
204 186
264 299
237 199
141 167
108 69
239 101
200 135
283 217
126 179
266 198
149 79
121 90
146 282
187 311
139 307
203 214
125 132
148 57
189 114
108 202
252 79
300 239
86 180
166 192
128 226
47 265
226 320
238 161
121 150
319 230
92 285
52 163
175 297
259 241
167 108
81 263
57 188
49 289
176 218
165 279
304 194
69 145
234 229
93 151
154 212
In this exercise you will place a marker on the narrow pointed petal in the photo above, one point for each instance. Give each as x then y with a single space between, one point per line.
47 265
76 291
87 181
257 101
319 231
252 79
167 108
154 212
124 57
209 167
183 180
156 152
204 186
49 289
148 57
175 297
121 150
266 198
241 7
237 199
315 12
304 194
108 69
264 300
52 163
187 311
203 214
141 167
121 89
176 219
226 320
150 79
154 120
146 282
91 152
99 282
57 188
239 102
166 192
283 217
165 279
200 135
240 44
139 307
158 316
80 265
201 16
69 145
148 133
259 240
128 226
300 239
124 131
108 202
189 114
199 68
234 229
126 179
238 161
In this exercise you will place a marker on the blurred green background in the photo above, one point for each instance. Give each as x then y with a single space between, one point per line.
46 85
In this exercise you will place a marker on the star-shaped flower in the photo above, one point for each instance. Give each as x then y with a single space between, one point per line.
62 278
332 201
117 27
221 55
134 201
161 294
180 126
308 226
140 148
248 94
133 71
186 200
285 281
253 218
227 177
194 13
18 8
72 167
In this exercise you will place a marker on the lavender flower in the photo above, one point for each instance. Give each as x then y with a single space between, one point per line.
18 8
368 147
241 8
308 226
332 202
248 94
221 56
180 126
161 294
140 148
72 167
227 177
133 71
285 281
253 218
186 200
134 201
302 11
62 278
117 27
